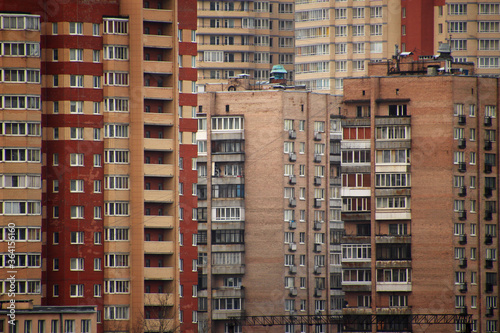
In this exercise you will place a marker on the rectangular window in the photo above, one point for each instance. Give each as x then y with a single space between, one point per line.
75 54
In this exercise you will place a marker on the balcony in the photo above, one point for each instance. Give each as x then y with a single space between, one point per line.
159 196
159 273
157 41
488 263
158 67
462 144
157 15
292 247
488 215
317 136
292 157
226 314
292 180
292 269
154 247
228 269
462 287
292 225
155 299
292 202
158 170
158 144
158 222
157 325
488 168
317 248
292 134
462 167
488 145
488 192
165 119
394 286
462 215
293 292
317 158
161 93
317 181
235 292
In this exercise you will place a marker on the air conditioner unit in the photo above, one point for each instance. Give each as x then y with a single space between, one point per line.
317 158
487 121
292 157
317 203
462 143
292 202
317 181
462 263
488 145
488 239
317 225
292 180
462 120
317 247
488 168
463 191
293 224
462 239
293 291
292 134
293 269
317 269
317 136
292 247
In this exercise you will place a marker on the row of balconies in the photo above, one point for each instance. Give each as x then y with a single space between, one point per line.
462 167
462 120
488 191
292 247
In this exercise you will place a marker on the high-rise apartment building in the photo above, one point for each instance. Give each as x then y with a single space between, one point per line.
337 39
420 195
472 29
267 204
244 37
94 200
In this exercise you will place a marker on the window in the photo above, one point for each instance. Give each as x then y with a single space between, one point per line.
115 52
116 208
116 156
96 55
75 54
116 260
77 237
358 12
488 26
77 264
457 27
376 12
76 133
376 29
341 31
76 81
75 28
358 30
76 290
77 212
116 312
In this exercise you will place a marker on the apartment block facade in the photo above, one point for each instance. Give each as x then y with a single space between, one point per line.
337 39
420 198
96 118
268 204
244 37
